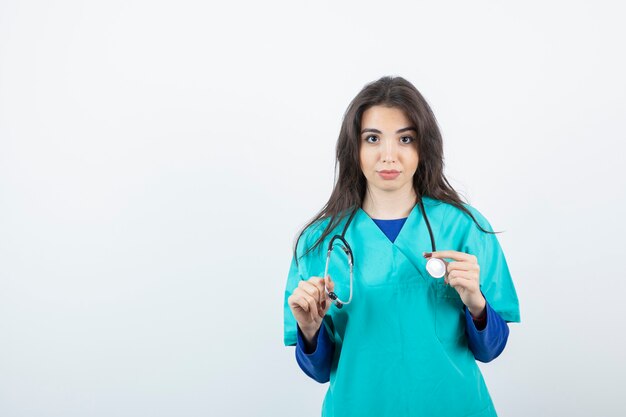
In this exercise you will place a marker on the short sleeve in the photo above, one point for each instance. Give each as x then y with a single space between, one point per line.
496 282
290 329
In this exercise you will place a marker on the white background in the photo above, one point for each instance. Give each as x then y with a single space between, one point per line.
158 158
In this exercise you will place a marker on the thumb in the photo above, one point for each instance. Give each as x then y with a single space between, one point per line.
330 285
327 303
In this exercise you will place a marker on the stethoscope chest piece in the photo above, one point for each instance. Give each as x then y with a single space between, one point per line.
436 267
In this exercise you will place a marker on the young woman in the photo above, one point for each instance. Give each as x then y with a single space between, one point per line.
416 287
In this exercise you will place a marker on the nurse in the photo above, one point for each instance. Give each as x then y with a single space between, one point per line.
403 343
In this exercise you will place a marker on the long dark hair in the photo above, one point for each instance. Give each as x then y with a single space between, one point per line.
350 185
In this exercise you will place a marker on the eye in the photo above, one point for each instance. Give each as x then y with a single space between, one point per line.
373 137
406 139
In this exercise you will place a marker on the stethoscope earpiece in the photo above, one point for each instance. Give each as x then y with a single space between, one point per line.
334 297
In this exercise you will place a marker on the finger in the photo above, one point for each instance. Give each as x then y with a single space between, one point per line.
462 283
463 274
461 266
330 286
305 301
451 254
297 301
471 275
311 289
323 308
468 282
319 284
312 305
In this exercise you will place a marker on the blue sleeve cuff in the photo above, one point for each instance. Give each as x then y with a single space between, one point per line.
316 364
488 343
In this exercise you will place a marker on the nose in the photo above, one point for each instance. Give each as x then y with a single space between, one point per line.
390 151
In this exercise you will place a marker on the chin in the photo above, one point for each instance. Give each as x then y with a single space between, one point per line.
389 187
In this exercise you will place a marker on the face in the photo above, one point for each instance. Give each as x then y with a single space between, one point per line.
388 152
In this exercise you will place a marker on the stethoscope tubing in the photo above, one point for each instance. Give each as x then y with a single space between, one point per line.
436 267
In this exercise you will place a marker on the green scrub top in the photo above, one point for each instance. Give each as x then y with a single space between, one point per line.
400 345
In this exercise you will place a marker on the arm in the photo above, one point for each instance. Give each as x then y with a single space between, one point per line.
315 358
487 335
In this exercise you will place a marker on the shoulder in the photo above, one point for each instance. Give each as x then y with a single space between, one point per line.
312 233
456 212
453 218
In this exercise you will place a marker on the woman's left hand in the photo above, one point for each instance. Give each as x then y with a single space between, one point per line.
463 276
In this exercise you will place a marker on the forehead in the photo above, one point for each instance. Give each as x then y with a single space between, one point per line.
383 116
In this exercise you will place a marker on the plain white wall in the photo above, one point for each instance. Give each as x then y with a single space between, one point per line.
158 158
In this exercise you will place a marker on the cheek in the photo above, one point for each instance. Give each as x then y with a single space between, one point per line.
366 160
410 160
414 160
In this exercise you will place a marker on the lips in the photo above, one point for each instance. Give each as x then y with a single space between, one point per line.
389 174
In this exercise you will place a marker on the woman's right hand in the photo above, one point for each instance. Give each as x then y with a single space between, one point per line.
309 304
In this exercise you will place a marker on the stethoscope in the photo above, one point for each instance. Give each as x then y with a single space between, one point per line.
436 267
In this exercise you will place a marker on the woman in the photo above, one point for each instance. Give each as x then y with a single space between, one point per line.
396 340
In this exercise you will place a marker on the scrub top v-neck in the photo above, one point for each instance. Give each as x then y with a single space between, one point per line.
391 228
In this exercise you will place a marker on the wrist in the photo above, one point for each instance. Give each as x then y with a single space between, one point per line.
309 333
478 309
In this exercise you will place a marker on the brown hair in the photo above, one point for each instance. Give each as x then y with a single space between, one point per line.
350 185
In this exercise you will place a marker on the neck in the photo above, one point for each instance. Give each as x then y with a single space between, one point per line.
387 205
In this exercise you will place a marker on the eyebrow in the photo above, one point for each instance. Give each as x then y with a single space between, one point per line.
404 129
